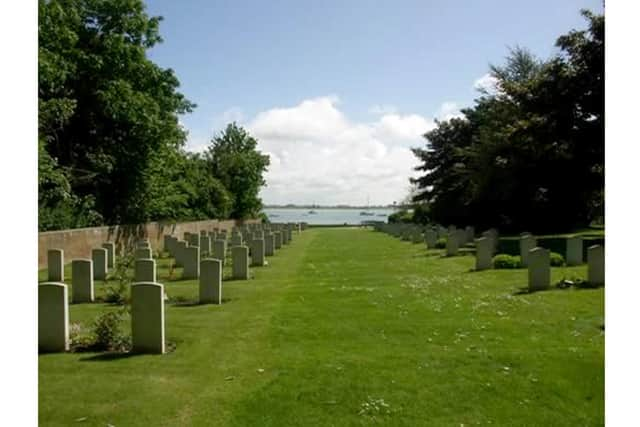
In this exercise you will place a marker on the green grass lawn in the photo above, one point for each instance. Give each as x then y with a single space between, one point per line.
350 327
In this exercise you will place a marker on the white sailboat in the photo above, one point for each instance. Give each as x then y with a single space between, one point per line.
367 212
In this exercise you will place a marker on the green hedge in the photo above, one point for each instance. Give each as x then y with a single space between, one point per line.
511 246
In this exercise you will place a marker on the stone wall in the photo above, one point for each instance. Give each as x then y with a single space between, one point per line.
77 243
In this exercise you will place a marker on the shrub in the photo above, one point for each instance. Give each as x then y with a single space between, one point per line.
402 216
556 260
441 243
117 294
107 335
104 335
504 261
79 338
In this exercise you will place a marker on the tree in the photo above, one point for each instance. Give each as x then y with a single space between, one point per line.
106 110
234 160
529 156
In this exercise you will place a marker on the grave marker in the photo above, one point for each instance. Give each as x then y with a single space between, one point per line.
53 317
111 253
99 258
55 265
145 270
147 317
595 267
539 269
82 280
574 250
211 281
191 259
483 253
240 257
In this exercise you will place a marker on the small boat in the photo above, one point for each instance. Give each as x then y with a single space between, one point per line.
365 213
312 212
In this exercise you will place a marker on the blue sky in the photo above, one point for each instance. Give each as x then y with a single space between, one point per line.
320 81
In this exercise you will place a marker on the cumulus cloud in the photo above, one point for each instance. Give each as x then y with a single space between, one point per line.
449 110
319 155
486 83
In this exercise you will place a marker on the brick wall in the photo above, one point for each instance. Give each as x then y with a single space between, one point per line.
77 243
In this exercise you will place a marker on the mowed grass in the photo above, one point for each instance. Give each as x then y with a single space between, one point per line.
351 327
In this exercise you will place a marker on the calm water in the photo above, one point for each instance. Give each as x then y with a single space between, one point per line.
327 216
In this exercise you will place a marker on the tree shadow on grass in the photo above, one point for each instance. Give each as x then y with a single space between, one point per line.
195 303
105 357
524 290
169 347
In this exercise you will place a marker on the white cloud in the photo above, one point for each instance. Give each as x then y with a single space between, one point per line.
319 155
486 83
449 110
196 144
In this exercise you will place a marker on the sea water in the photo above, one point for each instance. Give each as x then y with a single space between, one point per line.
327 216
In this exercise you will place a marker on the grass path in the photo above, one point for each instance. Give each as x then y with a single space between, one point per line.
351 327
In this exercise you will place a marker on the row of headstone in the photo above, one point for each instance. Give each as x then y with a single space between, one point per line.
147 296
455 238
101 258
539 266
532 257
147 317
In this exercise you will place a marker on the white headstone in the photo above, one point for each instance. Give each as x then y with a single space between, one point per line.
483 253
574 250
452 244
147 317
257 253
269 244
595 267
219 250
527 242
143 253
240 258
55 265
191 269
82 280
145 270
539 269
99 258
111 253
431 238
211 281
53 317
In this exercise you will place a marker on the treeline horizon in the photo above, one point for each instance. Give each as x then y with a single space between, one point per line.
111 149
529 154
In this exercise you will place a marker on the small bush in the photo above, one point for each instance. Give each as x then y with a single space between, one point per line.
107 334
556 260
79 338
117 294
504 261
441 243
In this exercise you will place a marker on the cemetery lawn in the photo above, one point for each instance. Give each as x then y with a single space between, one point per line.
349 327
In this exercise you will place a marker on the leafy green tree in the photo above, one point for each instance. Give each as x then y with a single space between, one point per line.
234 160
58 207
531 155
105 108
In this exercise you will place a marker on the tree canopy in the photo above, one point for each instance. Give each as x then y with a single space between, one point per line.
111 148
529 155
